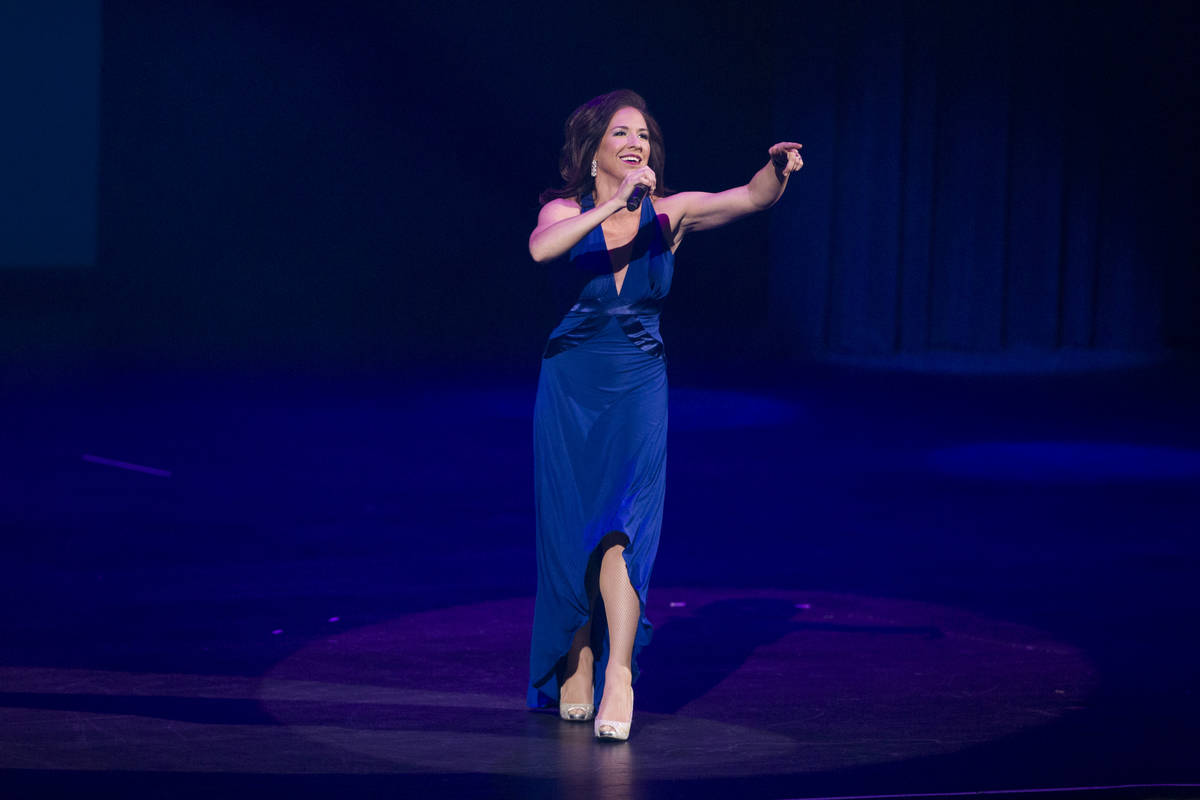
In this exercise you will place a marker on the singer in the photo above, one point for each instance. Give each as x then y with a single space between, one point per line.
600 418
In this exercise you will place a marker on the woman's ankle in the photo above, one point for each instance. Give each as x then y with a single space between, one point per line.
615 675
579 683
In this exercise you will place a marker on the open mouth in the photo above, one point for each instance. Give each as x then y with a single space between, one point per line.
630 158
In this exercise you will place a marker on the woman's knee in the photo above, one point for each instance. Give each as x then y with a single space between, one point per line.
614 558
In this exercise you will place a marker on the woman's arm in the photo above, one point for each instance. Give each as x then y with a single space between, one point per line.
698 211
561 226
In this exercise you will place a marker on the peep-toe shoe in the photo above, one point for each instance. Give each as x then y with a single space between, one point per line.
610 730
576 712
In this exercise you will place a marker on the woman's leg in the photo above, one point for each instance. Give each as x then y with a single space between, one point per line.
577 685
624 611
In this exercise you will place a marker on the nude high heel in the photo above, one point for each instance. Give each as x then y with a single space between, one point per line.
611 730
576 712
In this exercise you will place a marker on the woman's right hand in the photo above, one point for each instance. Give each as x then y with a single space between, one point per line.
641 176
562 224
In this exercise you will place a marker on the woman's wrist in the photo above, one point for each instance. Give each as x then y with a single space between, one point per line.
767 185
611 206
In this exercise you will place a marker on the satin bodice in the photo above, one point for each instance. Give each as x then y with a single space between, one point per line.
587 291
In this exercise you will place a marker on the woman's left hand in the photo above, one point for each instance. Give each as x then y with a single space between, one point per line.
786 158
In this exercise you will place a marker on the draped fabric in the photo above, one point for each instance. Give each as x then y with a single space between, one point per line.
599 444
985 177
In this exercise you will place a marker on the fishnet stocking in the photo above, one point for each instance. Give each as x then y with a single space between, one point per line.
577 685
623 610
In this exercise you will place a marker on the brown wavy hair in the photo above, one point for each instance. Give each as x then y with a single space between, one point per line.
582 134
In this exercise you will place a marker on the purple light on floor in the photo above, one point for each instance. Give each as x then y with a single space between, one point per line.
335 619
277 631
678 604
109 462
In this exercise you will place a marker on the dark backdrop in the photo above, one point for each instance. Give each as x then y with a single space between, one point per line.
354 185
351 186
991 176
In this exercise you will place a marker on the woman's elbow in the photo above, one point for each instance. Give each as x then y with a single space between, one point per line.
539 252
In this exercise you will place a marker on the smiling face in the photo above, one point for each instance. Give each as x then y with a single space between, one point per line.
626 143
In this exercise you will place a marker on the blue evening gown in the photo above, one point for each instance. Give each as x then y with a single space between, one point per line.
600 439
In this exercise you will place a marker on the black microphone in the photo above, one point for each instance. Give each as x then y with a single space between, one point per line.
635 199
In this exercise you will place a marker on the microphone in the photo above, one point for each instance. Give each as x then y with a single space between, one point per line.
635 199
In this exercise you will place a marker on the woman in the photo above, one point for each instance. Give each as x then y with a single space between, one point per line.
600 419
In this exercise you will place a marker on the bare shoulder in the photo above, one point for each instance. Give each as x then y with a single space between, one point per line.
670 204
676 206
699 211
669 207
672 211
558 209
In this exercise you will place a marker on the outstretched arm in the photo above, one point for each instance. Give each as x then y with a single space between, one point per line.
698 211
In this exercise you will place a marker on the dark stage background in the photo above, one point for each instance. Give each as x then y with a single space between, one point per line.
302 186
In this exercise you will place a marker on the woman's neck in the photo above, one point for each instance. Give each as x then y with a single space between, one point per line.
605 187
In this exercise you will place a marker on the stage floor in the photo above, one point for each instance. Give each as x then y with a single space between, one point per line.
868 584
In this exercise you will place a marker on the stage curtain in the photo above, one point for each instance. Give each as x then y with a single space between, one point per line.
986 177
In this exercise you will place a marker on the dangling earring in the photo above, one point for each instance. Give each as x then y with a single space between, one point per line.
594 168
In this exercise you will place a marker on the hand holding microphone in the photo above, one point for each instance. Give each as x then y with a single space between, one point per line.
635 199
642 182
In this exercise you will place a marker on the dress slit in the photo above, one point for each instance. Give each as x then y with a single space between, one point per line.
600 422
